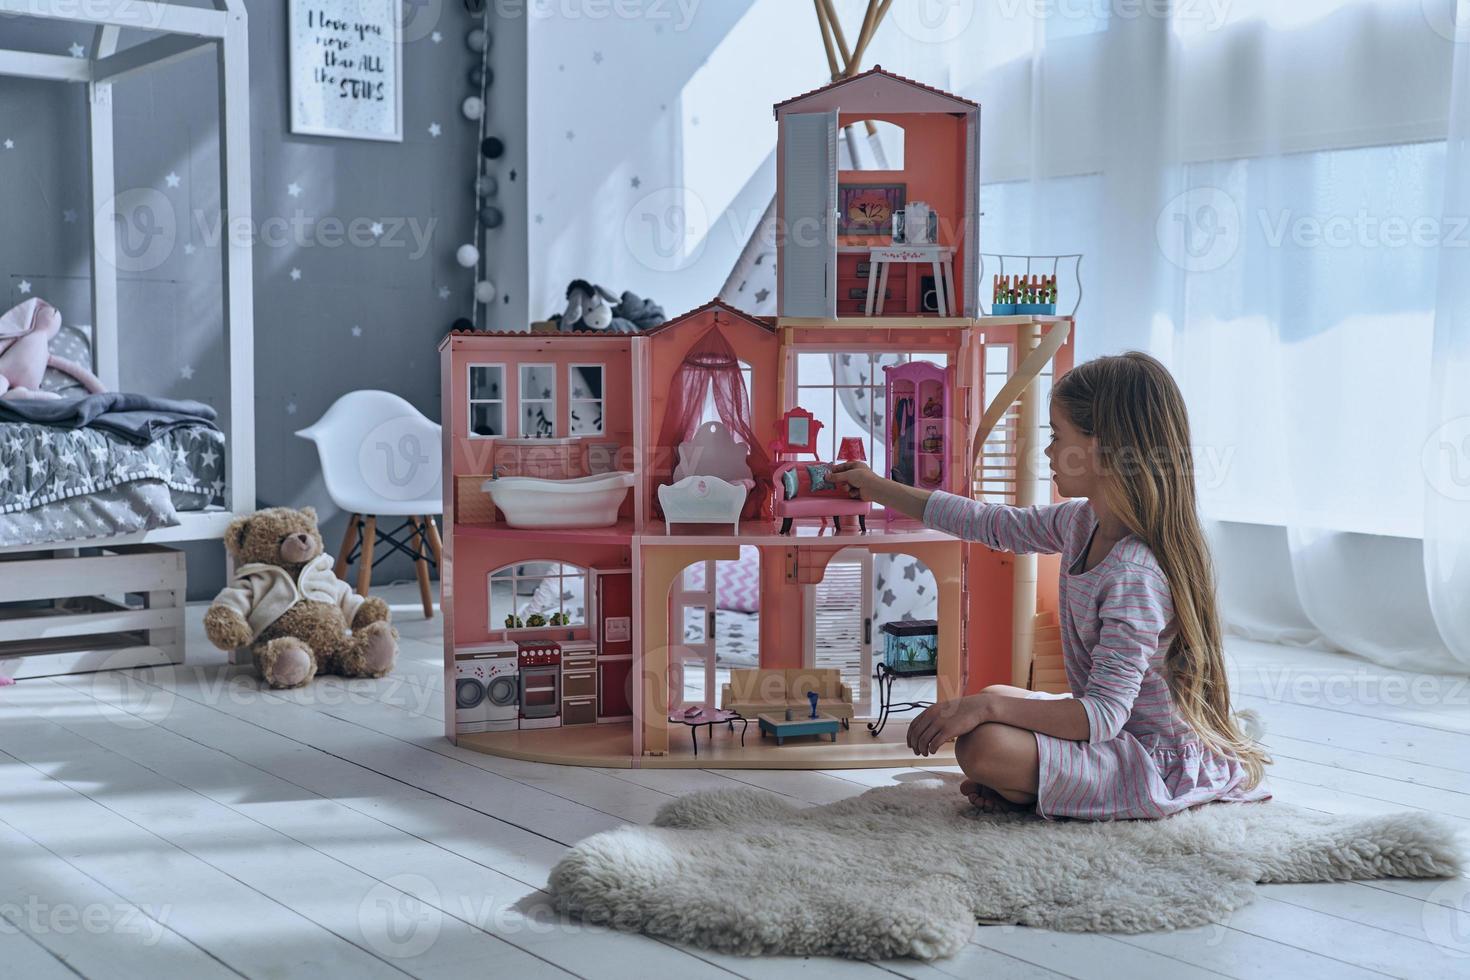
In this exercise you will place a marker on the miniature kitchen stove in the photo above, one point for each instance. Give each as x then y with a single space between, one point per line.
540 663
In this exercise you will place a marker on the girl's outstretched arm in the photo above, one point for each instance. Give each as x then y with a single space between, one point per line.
1022 530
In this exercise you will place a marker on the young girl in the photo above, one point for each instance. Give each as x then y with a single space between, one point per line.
1148 729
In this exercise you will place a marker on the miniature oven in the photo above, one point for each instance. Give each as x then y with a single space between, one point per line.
540 663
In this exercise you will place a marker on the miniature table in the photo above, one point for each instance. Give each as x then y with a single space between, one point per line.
939 257
801 724
710 717
885 676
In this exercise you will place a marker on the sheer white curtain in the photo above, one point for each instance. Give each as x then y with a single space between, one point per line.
1271 195
1272 198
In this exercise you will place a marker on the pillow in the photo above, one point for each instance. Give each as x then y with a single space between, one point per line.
74 344
819 472
788 481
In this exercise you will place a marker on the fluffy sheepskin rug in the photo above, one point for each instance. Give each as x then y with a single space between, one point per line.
908 870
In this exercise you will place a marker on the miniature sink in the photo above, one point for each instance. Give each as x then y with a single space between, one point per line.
586 501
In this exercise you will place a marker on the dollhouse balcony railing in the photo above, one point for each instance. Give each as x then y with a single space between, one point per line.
1067 268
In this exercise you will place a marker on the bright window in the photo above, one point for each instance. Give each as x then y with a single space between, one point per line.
538 401
487 400
535 595
584 382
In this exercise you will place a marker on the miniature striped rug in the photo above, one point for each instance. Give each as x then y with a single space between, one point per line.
743 871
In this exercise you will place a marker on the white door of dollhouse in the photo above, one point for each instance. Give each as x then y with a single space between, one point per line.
809 211
839 623
692 618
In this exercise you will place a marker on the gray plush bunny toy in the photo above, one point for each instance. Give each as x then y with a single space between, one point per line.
587 307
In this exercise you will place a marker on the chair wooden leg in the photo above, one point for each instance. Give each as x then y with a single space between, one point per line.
421 564
435 543
348 540
365 561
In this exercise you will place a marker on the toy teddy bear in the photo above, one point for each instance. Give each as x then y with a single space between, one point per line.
287 603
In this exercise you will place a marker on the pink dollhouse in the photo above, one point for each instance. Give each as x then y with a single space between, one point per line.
599 486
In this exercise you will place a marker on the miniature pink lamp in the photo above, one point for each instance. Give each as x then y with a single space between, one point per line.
851 450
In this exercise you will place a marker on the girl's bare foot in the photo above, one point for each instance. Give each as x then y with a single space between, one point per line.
987 800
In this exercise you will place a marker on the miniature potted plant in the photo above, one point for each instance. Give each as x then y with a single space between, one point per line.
536 619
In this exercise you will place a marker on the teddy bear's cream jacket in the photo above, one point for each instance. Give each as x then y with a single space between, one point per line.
262 593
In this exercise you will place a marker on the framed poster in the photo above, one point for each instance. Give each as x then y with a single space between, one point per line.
867 209
347 69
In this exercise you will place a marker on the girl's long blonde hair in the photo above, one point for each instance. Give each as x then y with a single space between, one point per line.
1132 406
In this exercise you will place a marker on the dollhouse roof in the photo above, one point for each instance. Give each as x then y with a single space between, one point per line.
918 97
764 322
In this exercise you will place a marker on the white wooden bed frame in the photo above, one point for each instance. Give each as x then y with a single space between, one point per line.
178 32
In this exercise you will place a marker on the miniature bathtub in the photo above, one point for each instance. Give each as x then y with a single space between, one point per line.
587 501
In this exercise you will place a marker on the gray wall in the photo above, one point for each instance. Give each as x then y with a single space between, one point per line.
307 351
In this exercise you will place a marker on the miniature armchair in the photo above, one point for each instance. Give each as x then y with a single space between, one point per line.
711 481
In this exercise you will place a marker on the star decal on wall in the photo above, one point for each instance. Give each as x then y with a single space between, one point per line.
77 51
761 294
294 189
188 248
435 129
290 408
376 228
436 37
172 179
636 183
295 275
186 372
24 286
571 135
443 292
538 219
597 57
356 330
69 216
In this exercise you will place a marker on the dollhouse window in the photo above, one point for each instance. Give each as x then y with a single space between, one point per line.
881 149
538 401
538 595
845 392
487 400
584 382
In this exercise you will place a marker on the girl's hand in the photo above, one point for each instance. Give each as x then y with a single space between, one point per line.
946 720
857 477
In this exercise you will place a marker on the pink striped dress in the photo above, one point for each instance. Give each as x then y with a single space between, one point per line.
1141 759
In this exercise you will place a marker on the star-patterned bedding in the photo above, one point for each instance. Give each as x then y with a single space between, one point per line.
60 484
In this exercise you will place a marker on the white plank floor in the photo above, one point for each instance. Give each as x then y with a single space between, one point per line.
185 823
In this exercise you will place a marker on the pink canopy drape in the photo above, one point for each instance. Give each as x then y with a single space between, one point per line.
711 364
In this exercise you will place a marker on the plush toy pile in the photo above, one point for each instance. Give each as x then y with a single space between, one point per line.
288 605
591 307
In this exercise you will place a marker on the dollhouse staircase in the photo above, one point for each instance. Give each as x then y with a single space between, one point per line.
1047 670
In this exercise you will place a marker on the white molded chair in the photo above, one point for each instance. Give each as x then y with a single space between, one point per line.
382 458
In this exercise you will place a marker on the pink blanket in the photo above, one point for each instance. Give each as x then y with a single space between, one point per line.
25 333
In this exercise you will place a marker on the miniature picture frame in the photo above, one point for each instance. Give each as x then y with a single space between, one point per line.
867 209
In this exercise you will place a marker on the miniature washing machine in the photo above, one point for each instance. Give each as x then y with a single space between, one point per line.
487 689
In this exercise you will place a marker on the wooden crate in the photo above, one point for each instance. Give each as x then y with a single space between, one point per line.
70 612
